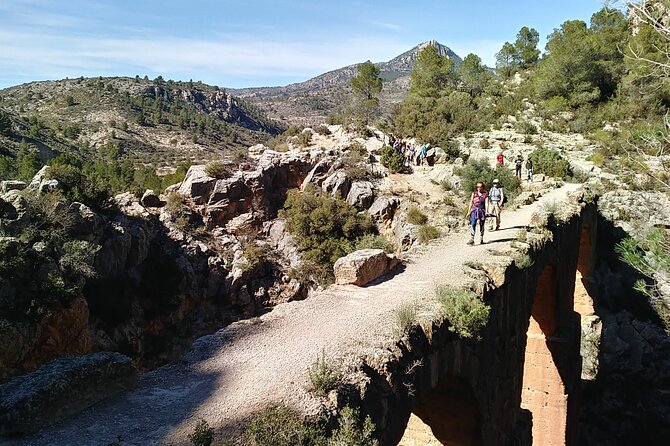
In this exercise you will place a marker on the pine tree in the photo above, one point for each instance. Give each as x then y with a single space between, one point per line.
365 87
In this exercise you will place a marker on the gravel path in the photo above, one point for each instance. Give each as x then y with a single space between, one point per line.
244 367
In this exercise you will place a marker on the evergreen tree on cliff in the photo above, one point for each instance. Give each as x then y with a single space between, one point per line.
365 87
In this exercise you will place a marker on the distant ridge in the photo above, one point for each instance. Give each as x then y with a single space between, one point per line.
310 102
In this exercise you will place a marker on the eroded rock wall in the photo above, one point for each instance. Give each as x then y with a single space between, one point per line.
493 374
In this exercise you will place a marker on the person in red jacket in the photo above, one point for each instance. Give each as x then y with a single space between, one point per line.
500 159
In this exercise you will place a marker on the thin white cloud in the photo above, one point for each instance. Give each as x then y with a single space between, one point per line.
52 56
385 25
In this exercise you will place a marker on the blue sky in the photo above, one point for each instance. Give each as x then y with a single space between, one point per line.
251 43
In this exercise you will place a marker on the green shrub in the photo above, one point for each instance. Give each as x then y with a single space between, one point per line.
77 258
476 170
416 217
254 256
304 139
202 435
322 130
323 376
428 233
355 166
218 169
484 143
324 228
281 426
597 158
351 432
392 159
372 241
523 261
405 316
467 313
550 162
526 127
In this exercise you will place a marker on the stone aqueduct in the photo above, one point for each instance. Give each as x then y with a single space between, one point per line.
520 383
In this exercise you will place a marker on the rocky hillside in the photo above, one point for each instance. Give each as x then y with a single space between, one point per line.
310 102
155 122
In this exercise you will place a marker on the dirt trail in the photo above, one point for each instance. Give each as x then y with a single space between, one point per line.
244 367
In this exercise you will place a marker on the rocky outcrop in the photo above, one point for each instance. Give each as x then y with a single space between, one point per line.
197 185
361 195
363 266
14 216
260 192
7 185
338 184
151 200
383 209
61 388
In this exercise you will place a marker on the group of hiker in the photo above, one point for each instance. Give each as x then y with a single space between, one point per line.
483 203
414 154
518 162
488 204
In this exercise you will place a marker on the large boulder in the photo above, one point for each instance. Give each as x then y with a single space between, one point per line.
85 223
361 195
363 266
62 388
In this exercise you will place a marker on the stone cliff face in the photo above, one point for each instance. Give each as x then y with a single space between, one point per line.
156 287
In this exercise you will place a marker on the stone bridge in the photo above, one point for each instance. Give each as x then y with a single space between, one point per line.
518 384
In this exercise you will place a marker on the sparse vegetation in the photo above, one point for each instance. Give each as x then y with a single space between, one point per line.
218 169
323 376
405 316
281 426
427 233
467 313
325 229
416 217
523 261
202 435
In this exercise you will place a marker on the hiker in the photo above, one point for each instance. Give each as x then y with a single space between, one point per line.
410 154
529 170
500 159
517 166
477 212
496 200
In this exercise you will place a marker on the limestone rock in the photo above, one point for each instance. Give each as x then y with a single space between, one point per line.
86 224
197 185
257 150
405 233
129 205
38 178
151 200
7 185
318 173
363 266
14 214
61 388
337 183
361 195
383 209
